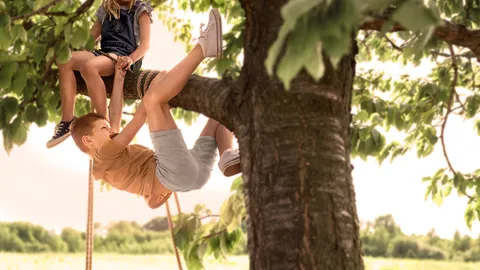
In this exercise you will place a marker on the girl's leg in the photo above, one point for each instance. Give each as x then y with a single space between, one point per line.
92 72
68 83
68 91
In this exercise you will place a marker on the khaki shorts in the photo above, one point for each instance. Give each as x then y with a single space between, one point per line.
180 168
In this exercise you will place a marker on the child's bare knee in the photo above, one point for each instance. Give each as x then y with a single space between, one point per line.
87 69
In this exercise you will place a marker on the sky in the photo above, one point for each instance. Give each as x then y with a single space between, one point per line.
49 186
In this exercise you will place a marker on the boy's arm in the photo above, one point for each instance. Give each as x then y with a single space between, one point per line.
115 107
131 129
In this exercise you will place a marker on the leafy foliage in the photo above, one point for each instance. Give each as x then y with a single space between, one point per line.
219 237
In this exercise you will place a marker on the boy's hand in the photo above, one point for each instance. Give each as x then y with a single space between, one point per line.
119 73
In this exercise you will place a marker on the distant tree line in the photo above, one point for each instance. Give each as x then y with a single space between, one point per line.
384 238
125 237
380 238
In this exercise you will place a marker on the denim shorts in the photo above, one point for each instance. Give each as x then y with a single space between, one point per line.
135 66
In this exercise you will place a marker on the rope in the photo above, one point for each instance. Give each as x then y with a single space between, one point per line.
170 226
89 244
178 202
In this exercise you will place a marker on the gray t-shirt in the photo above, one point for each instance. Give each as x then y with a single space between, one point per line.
139 7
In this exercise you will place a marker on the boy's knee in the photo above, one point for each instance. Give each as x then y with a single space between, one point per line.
152 100
154 96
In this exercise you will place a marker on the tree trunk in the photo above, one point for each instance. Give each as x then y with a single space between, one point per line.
295 157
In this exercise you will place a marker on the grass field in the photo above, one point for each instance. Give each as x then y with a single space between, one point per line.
165 262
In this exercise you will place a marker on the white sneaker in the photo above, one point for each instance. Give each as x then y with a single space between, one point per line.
211 38
229 162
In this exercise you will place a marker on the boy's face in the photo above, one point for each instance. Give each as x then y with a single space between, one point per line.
100 132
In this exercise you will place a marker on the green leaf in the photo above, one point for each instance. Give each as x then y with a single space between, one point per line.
458 179
18 32
447 190
469 216
19 81
414 15
5 32
316 67
64 54
39 52
42 117
7 140
31 113
361 116
237 184
438 199
10 105
19 131
6 73
78 38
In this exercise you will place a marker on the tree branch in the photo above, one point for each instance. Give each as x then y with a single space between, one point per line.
210 216
214 234
211 97
449 108
453 34
36 12
453 92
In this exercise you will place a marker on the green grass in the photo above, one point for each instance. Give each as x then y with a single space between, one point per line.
50 261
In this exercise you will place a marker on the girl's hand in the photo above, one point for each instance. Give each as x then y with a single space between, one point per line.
124 62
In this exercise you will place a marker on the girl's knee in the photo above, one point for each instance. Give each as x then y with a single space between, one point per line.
88 68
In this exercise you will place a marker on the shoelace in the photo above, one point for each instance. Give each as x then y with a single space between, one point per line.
58 128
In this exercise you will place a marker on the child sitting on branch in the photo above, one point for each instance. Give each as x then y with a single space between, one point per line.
124 29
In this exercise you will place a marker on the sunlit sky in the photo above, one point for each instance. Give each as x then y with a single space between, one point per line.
49 186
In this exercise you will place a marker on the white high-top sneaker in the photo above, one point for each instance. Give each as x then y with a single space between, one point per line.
229 162
211 38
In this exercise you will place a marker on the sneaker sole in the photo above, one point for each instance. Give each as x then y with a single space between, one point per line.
57 141
232 170
232 167
218 20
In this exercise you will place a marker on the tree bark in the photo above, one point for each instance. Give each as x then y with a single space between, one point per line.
295 157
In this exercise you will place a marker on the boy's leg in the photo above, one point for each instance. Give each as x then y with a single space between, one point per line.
177 169
229 162
68 91
92 72
161 90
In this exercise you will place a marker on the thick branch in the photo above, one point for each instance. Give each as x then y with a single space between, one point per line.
453 34
208 96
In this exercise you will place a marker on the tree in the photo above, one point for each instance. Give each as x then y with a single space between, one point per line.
73 239
158 224
289 103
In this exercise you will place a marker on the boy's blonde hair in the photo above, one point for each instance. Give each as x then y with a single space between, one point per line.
113 8
83 126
